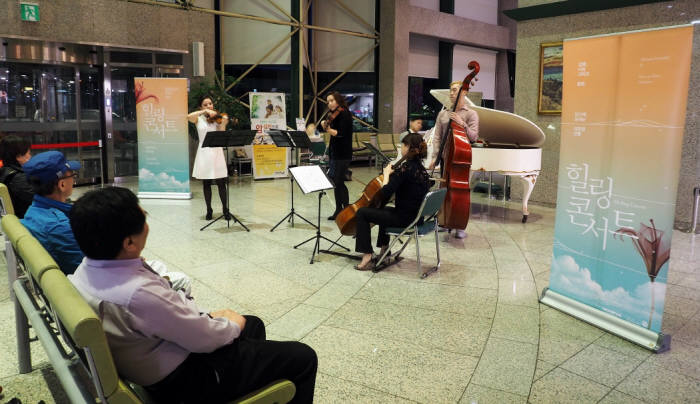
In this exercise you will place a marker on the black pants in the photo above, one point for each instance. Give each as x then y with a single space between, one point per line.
384 217
336 172
248 363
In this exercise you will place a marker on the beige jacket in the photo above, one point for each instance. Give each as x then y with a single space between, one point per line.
442 124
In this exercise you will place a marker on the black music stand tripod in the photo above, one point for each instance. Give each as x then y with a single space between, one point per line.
228 139
292 139
313 179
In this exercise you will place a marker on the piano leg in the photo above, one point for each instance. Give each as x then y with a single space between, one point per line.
528 185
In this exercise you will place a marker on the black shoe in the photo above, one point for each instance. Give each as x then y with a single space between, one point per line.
333 216
227 214
209 214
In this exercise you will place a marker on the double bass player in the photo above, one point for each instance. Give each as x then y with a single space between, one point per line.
462 116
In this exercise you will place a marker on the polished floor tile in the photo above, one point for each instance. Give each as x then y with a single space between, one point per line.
561 386
601 365
654 383
402 369
485 395
506 365
454 332
474 332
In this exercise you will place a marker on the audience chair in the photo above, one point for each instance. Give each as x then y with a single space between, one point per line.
72 334
425 223
6 207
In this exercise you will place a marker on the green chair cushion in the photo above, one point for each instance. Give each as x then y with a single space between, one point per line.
6 200
280 391
35 257
124 395
13 229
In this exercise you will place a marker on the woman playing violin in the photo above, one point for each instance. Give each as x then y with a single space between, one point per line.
210 163
410 183
339 126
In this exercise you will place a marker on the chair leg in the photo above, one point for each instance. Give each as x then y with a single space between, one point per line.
415 236
437 247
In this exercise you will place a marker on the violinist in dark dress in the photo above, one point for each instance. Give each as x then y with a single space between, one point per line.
409 183
339 126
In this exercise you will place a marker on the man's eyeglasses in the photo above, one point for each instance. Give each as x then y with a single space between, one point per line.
69 176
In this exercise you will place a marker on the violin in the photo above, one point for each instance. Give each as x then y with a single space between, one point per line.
217 118
331 115
346 219
454 213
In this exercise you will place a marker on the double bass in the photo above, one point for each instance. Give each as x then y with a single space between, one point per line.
457 150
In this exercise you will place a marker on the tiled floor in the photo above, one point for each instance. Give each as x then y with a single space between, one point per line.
472 333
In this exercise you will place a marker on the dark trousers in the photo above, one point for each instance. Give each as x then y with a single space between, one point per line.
384 217
336 172
247 364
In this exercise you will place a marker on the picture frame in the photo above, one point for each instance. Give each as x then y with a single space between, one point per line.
551 78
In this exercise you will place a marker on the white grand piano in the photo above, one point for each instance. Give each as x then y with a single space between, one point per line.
508 144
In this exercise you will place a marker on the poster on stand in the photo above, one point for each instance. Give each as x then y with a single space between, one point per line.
163 149
267 111
623 117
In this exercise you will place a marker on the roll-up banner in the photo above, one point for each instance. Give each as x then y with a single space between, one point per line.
267 111
623 116
161 117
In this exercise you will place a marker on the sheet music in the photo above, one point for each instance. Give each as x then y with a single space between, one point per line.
310 178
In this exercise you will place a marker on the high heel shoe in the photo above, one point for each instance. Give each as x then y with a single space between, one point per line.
367 267
333 216
227 214
209 214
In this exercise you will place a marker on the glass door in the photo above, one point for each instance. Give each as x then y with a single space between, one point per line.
124 119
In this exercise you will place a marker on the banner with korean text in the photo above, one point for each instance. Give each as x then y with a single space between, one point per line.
163 149
623 116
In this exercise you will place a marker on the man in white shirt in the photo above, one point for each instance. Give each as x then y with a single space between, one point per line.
415 125
158 336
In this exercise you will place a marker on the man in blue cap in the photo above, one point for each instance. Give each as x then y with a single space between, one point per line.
53 177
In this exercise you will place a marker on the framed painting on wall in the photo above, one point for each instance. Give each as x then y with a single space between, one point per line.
551 78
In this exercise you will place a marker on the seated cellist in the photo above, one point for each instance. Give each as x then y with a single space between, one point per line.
410 183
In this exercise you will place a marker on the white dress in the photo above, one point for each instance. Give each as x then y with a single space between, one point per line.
209 163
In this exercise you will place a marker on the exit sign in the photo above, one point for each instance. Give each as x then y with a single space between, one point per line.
29 11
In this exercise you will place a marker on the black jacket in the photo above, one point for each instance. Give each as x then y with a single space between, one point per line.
21 191
340 146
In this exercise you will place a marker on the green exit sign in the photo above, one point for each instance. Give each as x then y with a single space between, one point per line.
29 11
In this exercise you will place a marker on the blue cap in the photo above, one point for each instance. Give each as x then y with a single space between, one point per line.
49 166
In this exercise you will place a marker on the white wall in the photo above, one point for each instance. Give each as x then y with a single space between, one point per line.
431 4
246 41
480 10
423 56
462 55
336 52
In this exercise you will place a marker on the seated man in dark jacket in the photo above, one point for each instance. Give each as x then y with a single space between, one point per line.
15 152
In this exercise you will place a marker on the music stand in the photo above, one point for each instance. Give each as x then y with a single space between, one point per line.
291 139
228 139
378 153
313 179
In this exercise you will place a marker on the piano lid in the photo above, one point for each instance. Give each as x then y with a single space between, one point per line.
500 127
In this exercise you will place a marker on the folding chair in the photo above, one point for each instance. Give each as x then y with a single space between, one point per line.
418 228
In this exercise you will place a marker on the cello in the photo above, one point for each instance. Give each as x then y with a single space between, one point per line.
346 220
456 163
